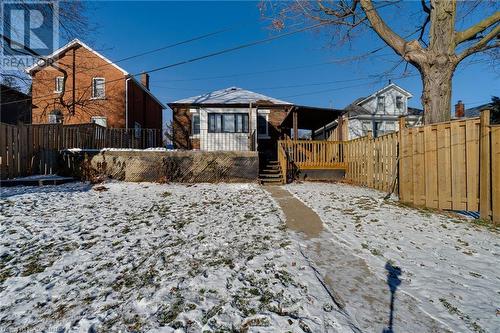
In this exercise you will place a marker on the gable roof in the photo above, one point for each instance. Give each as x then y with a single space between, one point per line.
68 46
476 111
230 96
76 42
390 86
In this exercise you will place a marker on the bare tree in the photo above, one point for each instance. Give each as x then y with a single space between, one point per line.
72 23
435 53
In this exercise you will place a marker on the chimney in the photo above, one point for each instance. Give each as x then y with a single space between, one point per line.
459 110
145 80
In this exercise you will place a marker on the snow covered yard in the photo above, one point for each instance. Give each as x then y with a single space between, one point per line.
159 258
450 265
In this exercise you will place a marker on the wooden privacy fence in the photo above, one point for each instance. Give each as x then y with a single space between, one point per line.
372 162
451 165
28 149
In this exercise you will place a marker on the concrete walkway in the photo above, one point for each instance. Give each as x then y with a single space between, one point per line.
353 287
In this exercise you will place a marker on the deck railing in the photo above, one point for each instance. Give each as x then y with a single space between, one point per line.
311 154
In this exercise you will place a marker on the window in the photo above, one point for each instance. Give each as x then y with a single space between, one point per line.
262 128
228 122
137 130
101 121
59 84
399 102
195 124
380 103
366 127
379 129
55 117
98 87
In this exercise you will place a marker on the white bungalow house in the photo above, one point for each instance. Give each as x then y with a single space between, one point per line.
377 113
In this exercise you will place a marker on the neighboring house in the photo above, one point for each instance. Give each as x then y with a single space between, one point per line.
461 111
379 112
16 106
238 119
95 90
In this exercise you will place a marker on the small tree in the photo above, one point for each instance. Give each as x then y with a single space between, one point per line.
435 53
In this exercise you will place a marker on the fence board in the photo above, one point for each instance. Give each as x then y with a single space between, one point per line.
495 173
27 149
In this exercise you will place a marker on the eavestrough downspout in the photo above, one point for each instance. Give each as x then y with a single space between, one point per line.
126 102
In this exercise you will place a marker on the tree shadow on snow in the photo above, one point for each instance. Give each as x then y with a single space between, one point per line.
393 280
6 192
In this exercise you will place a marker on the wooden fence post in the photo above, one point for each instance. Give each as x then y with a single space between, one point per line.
400 156
369 160
484 166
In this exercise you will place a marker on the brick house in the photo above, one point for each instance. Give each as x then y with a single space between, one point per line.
235 119
83 86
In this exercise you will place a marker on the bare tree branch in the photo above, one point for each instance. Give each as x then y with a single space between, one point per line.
462 36
482 44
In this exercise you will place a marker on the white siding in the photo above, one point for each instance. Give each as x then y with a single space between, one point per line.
224 141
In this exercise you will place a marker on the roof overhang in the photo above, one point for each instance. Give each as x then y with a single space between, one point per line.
311 118
232 105
70 45
146 90
388 87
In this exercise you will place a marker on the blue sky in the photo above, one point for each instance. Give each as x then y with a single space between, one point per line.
293 68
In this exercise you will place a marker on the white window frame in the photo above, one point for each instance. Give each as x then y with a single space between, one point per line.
92 119
264 113
382 97
59 87
195 112
94 79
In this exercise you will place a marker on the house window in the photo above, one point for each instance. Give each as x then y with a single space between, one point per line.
399 102
228 122
380 103
196 124
137 130
98 88
101 121
55 117
366 127
59 84
262 124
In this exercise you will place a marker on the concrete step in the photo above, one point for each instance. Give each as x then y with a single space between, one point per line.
269 175
270 181
270 170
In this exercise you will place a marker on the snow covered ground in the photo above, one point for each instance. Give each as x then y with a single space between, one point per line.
450 265
158 258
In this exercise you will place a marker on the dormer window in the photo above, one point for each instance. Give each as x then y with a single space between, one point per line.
59 84
399 103
381 103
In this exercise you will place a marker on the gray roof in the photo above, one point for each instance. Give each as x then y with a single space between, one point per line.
476 111
232 95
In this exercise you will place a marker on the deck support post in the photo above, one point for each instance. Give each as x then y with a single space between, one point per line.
295 118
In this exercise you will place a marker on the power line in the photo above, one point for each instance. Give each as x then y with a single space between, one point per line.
213 54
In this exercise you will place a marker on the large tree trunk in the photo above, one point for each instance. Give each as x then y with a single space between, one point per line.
436 93
437 69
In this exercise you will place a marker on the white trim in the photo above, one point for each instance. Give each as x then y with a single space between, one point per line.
93 86
392 85
74 42
56 84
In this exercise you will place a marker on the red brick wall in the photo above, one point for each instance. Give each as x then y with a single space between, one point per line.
142 108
